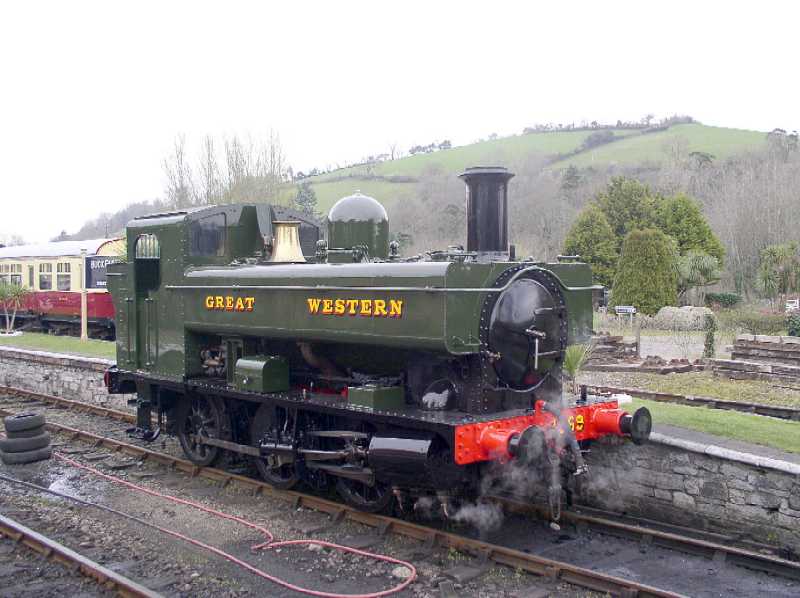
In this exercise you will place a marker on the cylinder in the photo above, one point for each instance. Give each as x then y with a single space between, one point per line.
402 460
487 208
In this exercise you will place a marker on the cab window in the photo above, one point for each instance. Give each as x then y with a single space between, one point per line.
208 236
147 247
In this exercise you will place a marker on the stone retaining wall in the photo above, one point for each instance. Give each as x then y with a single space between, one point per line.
71 377
695 489
678 484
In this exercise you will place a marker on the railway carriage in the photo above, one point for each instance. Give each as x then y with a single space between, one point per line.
325 357
52 272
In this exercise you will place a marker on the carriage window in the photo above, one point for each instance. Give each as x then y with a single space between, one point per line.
16 274
63 277
147 248
208 236
45 277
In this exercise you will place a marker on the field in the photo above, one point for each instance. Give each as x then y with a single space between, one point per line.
633 148
700 384
717 141
61 344
755 429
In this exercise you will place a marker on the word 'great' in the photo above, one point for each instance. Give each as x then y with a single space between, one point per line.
230 303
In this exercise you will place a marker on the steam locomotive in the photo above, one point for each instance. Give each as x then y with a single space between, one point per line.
327 358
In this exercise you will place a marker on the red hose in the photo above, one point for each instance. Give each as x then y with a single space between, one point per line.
268 544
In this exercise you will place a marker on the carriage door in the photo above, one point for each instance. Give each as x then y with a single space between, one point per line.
147 265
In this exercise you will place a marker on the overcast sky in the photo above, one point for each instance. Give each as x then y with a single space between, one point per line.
93 94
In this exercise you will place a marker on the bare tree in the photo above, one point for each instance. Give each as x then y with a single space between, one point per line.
180 189
209 182
10 240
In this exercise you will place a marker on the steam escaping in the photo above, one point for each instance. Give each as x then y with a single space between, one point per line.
485 517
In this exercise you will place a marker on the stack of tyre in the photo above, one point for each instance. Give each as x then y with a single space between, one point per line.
26 439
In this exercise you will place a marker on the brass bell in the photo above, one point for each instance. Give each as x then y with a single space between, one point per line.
286 245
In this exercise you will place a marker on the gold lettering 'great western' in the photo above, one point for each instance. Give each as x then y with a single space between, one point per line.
368 308
229 303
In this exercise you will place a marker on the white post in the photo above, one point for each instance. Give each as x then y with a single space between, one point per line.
84 299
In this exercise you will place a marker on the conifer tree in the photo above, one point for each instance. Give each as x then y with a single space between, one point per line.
646 274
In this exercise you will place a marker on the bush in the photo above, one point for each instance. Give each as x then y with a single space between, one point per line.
592 238
646 276
754 322
709 344
726 300
793 324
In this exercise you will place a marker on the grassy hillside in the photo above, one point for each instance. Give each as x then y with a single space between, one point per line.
653 147
632 148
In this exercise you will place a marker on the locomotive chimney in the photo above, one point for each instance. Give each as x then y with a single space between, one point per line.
487 208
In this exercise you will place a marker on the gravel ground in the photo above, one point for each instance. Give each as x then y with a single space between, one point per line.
677 345
176 569
25 573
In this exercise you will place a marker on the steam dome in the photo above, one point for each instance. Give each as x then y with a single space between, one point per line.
359 220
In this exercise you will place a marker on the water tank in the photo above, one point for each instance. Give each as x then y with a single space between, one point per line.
359 220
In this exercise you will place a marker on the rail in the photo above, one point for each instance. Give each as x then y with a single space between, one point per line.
61 554
757 559
552 569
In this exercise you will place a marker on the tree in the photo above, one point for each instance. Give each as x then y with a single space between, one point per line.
592 238
598 138
209 187
696 270
628 205
646 274
680 217
306 199
11 240
570 179
180 189
779 272
12 296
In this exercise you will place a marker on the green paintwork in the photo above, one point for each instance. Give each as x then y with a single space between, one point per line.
268 373
163 319
382 398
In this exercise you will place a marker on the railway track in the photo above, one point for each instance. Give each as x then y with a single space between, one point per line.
59 553
711 546
789 413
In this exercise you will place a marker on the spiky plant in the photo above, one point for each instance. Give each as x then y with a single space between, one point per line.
12 297
575 358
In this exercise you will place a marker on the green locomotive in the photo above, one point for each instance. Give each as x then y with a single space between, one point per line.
328 358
